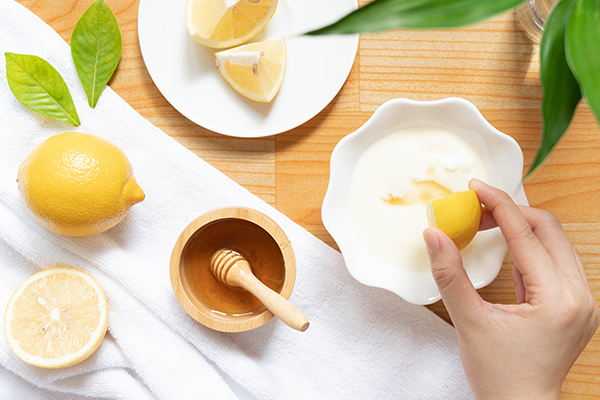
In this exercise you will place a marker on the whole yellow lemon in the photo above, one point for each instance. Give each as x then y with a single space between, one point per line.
77 184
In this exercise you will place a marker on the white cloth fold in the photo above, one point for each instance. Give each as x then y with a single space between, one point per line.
363 343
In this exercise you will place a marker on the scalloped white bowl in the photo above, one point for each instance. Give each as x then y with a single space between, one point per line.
501 154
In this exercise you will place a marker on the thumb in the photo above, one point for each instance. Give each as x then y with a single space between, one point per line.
458 293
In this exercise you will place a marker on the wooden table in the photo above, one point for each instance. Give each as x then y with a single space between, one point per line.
493 65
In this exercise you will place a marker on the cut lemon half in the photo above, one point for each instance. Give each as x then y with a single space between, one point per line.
255 70
56 318
227 23
458 215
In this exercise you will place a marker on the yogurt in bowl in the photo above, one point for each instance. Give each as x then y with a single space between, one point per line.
384 174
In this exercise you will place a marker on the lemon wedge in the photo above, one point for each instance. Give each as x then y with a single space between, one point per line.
458 215
56 318
255 70
227 23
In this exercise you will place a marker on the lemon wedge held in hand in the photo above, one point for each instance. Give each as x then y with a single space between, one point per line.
77 184
227 23
255 70
56 318
458 215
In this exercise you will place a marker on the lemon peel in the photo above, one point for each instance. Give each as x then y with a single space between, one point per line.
458 215
77 184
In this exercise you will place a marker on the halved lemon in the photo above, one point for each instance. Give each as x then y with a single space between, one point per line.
56 318
255 70
458 215
227 23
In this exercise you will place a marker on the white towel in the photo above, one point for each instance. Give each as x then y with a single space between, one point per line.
363 343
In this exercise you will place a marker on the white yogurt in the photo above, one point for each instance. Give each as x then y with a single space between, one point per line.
393 181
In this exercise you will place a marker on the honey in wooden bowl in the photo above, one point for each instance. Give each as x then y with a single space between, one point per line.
253 235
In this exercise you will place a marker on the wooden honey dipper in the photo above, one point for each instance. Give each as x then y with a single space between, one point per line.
232 269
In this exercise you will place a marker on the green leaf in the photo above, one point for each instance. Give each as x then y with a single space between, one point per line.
561 90
96 49
38 86
381 15
583 49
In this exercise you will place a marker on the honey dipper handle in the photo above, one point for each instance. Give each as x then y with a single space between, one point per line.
277 304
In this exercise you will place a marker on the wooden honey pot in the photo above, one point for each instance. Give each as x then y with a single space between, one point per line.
257 239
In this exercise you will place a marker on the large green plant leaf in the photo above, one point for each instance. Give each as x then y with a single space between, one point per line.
583 49
38 86
382 15
561 90
96 46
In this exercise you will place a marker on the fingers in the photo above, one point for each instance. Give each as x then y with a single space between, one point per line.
550 233
528 253
519 285
487 220
459 295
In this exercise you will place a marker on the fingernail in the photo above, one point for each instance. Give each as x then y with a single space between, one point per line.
476 182
518 294
432 241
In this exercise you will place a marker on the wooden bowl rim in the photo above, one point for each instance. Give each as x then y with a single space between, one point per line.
206 318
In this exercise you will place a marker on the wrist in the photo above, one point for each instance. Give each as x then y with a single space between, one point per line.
525 394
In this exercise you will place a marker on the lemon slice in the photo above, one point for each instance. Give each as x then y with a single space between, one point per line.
458 215
255 70
56 318
227 23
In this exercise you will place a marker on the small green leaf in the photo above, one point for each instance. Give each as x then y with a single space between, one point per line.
96 49
38 86
561 90
382 15
583 49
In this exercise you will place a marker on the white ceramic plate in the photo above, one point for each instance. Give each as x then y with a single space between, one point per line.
502 155
185 72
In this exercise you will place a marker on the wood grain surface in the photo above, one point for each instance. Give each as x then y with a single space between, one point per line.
493 65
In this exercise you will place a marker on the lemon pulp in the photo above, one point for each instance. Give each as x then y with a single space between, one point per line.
56 318
227 23
255 70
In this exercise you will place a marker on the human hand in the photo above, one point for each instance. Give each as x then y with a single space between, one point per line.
524 350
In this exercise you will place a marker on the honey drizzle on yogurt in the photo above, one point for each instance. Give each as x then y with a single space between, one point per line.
393 181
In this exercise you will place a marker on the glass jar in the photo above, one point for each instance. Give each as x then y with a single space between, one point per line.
532 16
